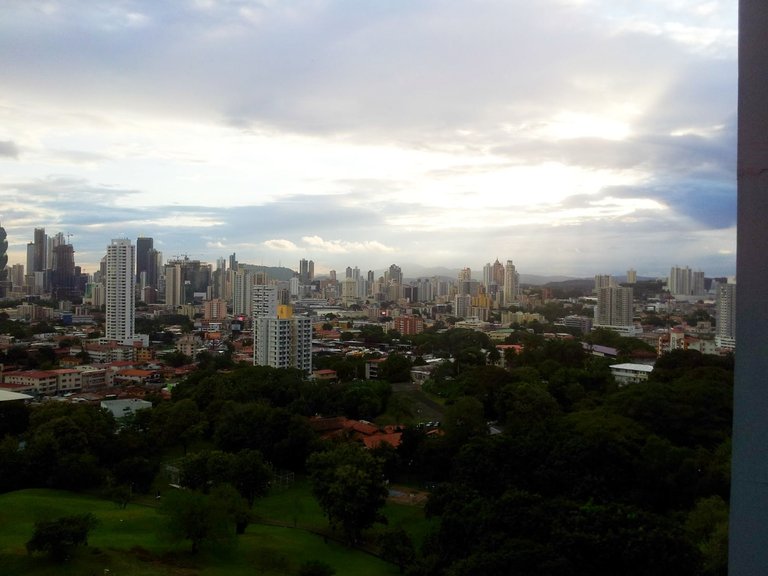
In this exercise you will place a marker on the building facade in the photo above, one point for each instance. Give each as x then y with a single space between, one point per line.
120 294
725 312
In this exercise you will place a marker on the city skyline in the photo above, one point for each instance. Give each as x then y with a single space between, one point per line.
573 136
477 272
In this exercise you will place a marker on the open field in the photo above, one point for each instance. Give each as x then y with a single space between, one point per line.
289 530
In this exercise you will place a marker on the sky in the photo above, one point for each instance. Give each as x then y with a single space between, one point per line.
574 137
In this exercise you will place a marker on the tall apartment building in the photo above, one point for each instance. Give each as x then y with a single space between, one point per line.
174 286
462 305
511 283
725 312
120 295
603 281
614 309
280 339
685 282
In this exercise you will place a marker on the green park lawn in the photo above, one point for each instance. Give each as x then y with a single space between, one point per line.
289 529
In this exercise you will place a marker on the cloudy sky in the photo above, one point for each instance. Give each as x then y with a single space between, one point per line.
572 136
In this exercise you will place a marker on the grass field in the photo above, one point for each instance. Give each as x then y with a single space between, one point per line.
289 530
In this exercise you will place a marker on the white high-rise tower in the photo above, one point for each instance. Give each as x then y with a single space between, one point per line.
121 279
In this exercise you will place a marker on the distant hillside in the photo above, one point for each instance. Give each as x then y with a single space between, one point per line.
412 272
572 287
274 272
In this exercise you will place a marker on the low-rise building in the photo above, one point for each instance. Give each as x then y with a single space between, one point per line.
629 373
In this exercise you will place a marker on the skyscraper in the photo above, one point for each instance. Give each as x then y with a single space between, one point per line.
40 247
174 287
511 283
145 261
63 283
121 305
3 262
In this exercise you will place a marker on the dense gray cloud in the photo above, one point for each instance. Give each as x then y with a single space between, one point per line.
570 135
8 148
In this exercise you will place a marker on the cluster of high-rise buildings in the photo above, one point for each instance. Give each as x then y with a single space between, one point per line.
273 306
49 268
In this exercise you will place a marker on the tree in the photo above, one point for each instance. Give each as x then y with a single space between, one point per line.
349 486
196 517
250 475
58 537
397 547
396 368
182 422
464 420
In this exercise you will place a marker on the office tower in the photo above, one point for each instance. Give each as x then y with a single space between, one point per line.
631 276
40 247
371 277
311 271
614 307
332 275
725 313
511 283
280 339
3 262
304 271
120 295
348 272
233 262
63 284
144 260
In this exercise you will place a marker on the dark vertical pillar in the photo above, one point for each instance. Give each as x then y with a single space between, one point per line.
748 553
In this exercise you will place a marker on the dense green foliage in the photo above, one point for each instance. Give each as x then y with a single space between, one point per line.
348 483
584 477
58 537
